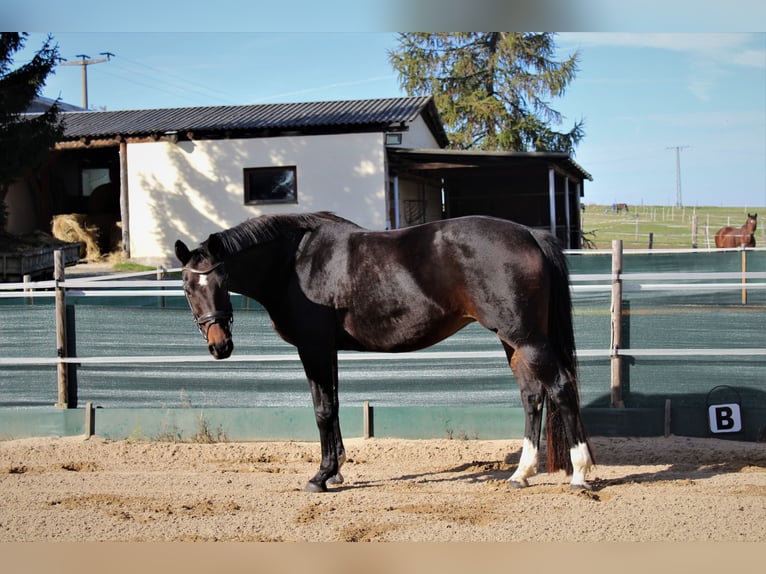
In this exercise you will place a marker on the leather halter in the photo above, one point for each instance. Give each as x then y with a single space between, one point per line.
204 321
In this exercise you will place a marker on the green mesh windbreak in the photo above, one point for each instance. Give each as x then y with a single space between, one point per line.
148 326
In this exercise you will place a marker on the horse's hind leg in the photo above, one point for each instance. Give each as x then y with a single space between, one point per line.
532 395
567 431
564 396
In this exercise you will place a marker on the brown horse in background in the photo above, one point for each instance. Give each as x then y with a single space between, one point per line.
738 236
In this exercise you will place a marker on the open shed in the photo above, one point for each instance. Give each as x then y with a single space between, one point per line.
538 189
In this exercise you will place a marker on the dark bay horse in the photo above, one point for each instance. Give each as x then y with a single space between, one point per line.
743 236
331 285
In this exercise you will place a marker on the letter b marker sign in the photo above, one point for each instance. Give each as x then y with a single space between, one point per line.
724 418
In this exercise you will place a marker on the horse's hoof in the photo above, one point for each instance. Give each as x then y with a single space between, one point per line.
523 483
337 479
315 487
581 486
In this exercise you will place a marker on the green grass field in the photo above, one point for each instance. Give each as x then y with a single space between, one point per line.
671 226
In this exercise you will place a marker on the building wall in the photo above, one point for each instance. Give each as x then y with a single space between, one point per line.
419 136
193 188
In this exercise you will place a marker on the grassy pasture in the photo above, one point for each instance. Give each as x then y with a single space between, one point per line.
671 226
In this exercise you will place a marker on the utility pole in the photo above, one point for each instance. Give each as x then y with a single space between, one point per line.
84 62
678 148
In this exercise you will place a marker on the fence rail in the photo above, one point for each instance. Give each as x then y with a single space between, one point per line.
135 285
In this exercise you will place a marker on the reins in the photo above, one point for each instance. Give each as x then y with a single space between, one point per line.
204 321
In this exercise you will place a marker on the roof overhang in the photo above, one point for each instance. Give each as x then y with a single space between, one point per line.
422 160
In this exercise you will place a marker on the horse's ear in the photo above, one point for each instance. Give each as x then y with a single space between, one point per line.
182 252
215 247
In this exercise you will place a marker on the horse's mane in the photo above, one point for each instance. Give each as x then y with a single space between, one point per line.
267 228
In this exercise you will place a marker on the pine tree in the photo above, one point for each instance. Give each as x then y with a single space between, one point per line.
24 141
492 89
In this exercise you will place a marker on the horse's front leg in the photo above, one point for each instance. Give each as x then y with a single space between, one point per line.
322 376
339 448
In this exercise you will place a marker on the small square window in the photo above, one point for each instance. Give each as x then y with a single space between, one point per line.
271 185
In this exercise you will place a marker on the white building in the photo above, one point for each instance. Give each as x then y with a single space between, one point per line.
184 173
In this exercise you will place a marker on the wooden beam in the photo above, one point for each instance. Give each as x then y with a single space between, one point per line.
124 204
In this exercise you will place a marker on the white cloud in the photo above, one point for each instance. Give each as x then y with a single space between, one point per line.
740 49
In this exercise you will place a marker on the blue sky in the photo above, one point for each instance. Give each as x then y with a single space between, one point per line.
641 95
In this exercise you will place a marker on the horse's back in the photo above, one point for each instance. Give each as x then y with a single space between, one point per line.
411 287
727 237
720 237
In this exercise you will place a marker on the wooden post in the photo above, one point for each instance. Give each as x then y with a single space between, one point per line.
667 418
651 240
124 203
161 271
27 279
616 328
61 339
90 420
694 229
744 280
367 424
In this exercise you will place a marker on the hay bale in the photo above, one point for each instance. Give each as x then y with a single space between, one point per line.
72 227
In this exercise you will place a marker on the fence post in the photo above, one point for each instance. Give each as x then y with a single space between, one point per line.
28 279
616 327
694 229
744 279
367 424
90 420
61 338
161 273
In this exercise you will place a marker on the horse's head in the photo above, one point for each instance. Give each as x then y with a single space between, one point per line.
752 222
206 288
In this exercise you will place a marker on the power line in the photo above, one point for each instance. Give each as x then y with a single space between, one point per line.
84 62
182 85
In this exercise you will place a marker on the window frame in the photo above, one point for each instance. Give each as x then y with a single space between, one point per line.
248 192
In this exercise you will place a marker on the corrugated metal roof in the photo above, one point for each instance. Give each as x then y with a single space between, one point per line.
330 115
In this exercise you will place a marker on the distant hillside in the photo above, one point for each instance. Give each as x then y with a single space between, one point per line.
671 226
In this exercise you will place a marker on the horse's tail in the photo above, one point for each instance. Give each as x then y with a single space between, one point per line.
562 340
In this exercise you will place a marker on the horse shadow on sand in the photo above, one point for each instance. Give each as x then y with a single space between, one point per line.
694 453
665 464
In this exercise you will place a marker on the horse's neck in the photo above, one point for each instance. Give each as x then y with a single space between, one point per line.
257 271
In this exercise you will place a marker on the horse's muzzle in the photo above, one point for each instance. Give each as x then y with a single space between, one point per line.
219 342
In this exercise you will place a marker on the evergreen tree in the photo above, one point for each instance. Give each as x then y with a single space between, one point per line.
24 141
492 89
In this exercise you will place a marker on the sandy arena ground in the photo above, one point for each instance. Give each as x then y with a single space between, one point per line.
658 489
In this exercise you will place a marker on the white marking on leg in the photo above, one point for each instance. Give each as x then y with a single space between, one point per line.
527 464
581 464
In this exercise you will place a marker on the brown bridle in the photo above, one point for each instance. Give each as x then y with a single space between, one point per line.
204 321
